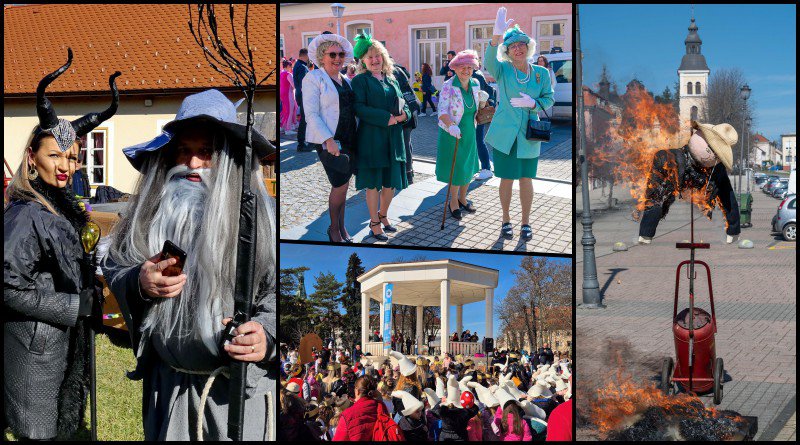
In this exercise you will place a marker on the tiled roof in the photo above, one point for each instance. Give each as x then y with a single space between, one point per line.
760 138
150 44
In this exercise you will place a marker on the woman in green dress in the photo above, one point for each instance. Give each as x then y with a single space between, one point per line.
459 101
381 151
523 90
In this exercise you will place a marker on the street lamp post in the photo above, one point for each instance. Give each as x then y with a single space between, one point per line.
745 94
338 11
591 287
748 124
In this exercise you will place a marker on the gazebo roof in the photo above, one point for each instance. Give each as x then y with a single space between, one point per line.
418 283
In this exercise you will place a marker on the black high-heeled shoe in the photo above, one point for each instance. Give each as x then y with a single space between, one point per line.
330 238
377 236
386 227
456 213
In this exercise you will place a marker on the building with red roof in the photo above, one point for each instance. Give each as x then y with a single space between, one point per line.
160 62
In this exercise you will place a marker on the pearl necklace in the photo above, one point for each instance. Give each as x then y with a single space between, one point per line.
527 76
469 91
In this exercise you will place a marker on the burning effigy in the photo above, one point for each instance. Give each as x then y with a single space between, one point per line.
647 149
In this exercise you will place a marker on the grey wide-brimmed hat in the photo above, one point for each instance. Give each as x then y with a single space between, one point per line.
209 107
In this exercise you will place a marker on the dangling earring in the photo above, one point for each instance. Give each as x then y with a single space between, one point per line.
33 174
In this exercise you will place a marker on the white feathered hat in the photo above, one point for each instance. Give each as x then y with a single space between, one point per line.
532 411
484 395
440 390
433 399
561 385
503 397
462 384
410 403
407 367
514 391
453 394
539 390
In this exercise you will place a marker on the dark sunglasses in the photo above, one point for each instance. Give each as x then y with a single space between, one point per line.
333 55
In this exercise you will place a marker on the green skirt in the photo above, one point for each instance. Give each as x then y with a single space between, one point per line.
394 177
508 166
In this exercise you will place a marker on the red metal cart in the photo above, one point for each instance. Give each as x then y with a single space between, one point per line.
697 367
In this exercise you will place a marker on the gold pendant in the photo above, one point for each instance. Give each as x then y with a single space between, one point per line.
538 77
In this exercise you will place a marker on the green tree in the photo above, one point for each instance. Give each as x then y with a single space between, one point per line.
323 305
294 309
350 299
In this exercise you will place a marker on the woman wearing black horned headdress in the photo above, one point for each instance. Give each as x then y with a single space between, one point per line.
45 338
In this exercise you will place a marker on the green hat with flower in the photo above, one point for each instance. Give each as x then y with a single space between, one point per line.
511 36
363 42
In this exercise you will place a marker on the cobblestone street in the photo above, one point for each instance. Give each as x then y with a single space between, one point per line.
417 210
755 299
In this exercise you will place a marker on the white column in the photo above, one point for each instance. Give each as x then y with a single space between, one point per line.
380 322
489 313
460 318
419 332
445 314
364 320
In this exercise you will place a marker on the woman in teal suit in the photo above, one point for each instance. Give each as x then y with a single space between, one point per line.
381 151
524 89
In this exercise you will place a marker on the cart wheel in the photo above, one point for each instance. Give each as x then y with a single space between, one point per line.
666 375
719 376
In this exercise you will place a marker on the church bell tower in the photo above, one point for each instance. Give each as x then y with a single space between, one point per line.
693 79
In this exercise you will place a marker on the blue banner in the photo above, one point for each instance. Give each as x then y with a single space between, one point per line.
387 316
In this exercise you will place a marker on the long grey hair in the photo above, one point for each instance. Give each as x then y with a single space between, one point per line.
210 266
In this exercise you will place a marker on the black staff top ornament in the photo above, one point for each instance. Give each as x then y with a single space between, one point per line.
64 131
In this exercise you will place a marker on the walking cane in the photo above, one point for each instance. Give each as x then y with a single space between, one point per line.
90 234
449 184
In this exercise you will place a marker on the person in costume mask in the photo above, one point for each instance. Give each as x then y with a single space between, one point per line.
381 153
46 303
190 194
700 168
524 90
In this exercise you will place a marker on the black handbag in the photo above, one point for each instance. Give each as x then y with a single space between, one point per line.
539 130
339 163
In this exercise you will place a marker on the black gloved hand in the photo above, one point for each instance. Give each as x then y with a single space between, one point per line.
86 302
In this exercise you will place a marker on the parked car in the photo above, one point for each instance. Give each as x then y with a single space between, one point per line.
784 220
561 63
769 185
779 190
761 178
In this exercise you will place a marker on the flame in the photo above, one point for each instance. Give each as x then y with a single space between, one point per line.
625 146
619 404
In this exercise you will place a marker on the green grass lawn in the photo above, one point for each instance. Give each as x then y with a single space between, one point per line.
119 400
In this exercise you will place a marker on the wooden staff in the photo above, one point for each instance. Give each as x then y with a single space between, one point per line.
449 184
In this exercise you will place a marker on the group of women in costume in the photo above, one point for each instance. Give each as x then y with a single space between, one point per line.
356 125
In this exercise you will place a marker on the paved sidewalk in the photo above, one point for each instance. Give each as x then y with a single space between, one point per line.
417 210
754 293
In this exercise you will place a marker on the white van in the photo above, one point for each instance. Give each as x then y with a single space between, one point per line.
561 63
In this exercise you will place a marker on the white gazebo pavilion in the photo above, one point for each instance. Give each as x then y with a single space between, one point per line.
429 283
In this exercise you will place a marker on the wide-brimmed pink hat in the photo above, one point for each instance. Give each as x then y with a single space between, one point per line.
466 57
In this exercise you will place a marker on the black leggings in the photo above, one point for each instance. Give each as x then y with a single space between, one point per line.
426 99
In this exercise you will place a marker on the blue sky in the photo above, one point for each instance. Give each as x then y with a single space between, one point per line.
646 41
334 259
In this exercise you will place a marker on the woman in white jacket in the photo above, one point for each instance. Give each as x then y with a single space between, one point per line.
328 102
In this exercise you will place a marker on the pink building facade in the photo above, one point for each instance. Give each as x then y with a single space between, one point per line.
417 33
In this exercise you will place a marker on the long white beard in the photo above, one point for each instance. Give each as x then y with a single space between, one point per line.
178 219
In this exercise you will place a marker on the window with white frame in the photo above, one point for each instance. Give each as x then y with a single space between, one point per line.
551 34
479 38
355 29
283 48
93 155
308 37
430 46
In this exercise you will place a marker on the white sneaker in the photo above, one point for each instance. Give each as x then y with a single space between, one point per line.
484 174
422 114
